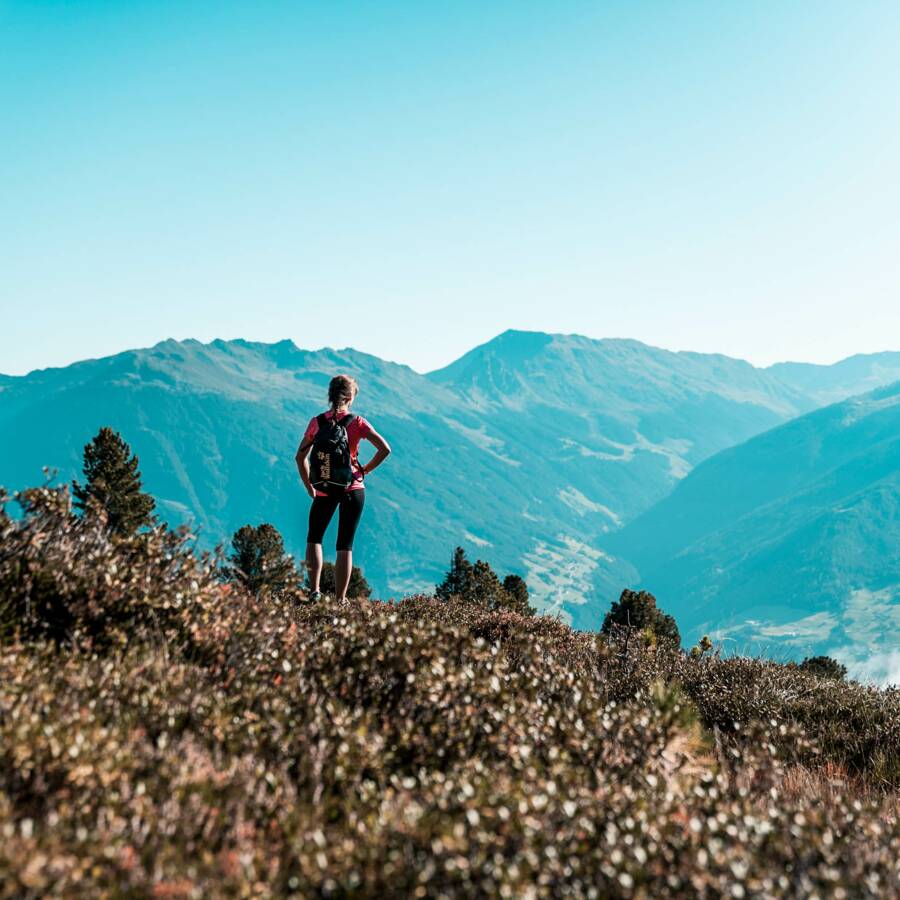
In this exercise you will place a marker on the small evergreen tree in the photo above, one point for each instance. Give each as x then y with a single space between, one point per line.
479 584
515 586
358 589
638 609
458 581
486 587
113 482
258 560
824 667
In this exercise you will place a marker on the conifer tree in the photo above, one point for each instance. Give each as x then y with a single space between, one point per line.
479 584
258 560
113 481
458 581
638 609
486 588
515 586
357 589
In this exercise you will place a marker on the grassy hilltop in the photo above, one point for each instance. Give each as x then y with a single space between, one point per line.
164 734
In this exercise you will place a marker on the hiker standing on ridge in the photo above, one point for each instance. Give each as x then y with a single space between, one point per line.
328 462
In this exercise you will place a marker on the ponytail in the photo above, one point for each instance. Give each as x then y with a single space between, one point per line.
341 391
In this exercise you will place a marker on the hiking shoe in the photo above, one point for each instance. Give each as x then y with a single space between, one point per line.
315 596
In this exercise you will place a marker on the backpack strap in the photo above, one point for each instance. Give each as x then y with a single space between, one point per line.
321 420
346 420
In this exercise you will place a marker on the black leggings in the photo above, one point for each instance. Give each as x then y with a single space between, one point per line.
320 514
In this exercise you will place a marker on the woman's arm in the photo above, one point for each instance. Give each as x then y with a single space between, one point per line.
302 459
382 451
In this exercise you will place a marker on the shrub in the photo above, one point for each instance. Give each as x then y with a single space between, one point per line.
824 667
69 579
190 739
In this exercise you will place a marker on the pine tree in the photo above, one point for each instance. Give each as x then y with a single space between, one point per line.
358 589
458 581
486 588
638 609
113 481
258 560
515 586
480 584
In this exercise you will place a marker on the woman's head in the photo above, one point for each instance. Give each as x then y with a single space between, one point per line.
341 390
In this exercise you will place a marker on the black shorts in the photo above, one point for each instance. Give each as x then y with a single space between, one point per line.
322 511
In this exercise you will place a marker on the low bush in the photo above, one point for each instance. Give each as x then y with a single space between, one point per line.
180 737
69 579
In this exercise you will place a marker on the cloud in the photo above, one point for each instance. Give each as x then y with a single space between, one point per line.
877 668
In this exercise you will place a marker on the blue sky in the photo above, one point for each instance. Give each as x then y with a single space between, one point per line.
413 178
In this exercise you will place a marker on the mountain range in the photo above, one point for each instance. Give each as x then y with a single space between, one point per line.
803 555
554 456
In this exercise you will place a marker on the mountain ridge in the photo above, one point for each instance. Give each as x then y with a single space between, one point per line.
531 450
891 358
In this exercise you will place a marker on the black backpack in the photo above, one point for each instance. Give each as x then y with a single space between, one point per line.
330 464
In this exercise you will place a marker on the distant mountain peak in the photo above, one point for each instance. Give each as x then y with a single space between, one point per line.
514 340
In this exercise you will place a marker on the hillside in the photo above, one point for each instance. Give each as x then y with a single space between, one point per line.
163 734
790 540
530 449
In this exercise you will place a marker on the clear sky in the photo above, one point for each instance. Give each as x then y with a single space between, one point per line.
411 178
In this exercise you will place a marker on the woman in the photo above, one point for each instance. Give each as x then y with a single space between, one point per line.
336 486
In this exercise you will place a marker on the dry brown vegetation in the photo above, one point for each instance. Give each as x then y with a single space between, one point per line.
165 735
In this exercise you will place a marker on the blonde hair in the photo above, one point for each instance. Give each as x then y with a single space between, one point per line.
341 390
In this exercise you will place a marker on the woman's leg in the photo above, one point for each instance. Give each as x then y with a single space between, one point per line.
314 563
320 514
351 509
342 568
